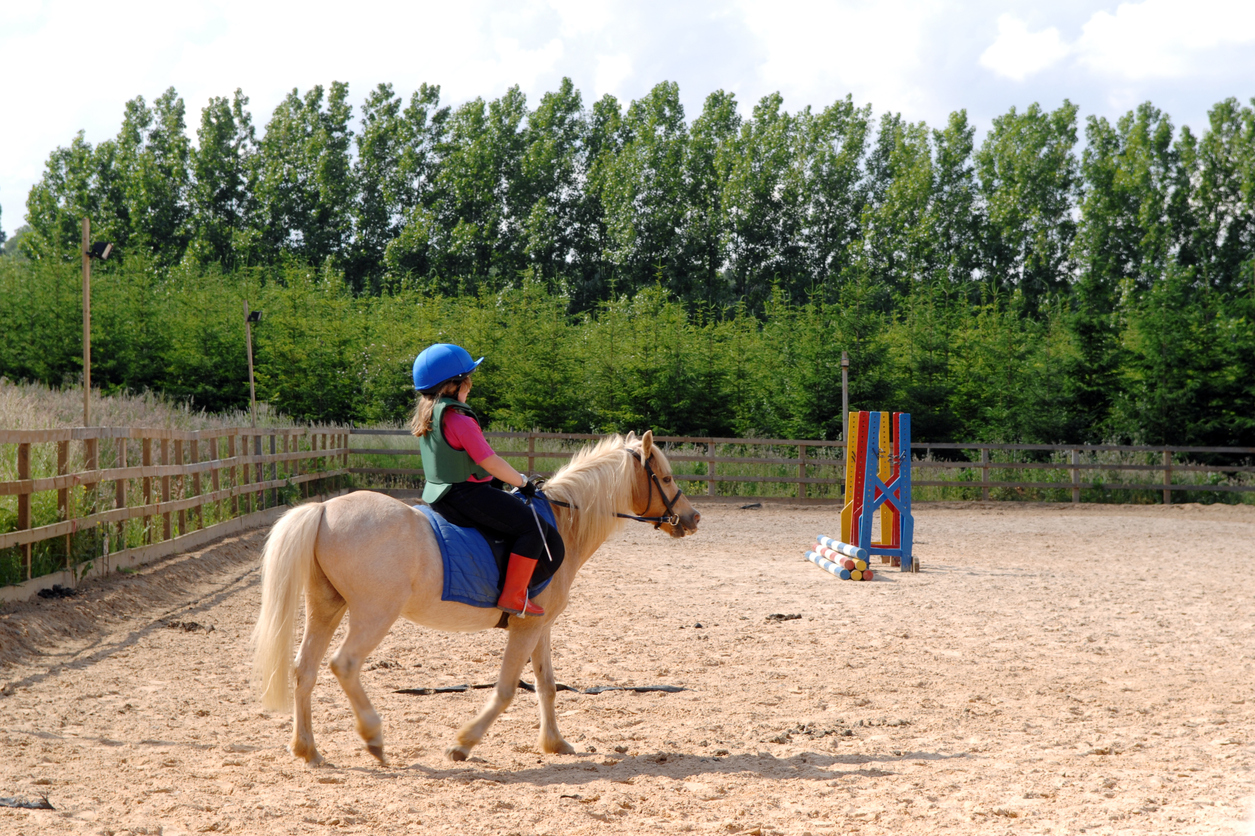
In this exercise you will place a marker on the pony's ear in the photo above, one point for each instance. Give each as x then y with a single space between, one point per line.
647 444
631 436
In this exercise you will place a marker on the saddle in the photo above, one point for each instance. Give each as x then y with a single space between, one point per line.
474 561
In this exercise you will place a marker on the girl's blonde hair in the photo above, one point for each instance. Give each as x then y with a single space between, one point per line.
420 421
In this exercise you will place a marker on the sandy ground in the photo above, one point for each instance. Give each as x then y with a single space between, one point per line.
1052 670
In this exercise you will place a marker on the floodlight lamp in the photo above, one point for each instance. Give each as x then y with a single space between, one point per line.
100 250
254 316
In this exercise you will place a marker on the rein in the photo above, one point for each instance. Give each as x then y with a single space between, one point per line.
671 517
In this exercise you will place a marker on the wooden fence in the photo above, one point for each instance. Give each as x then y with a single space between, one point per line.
804 468
128 488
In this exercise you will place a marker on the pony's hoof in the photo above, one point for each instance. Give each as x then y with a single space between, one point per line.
559 748
311 756
456 753
376 749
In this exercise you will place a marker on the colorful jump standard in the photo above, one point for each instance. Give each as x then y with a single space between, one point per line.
878 475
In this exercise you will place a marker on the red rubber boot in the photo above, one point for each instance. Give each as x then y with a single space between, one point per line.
518 574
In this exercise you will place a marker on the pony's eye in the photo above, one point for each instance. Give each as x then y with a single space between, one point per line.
666 480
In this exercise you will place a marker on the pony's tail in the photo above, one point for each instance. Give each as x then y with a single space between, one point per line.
285 568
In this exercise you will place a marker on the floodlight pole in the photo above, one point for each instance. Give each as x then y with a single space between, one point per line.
252 389
87 324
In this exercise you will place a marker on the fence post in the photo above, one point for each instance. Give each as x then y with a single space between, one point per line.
274 474
801 471
182 484
259 475
198 513
710 468
119 495
165 489
531 452
91 497
235 493
1076 476
214 480
63 495
1167 477
24 501
984 473
148 489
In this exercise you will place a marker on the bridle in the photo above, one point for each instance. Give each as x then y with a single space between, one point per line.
671 517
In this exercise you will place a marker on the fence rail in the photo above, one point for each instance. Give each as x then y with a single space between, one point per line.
122 488
69 495
815 457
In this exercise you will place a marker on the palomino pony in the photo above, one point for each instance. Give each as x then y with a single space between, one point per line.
378 557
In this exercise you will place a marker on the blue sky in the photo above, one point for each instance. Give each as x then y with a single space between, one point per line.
71 65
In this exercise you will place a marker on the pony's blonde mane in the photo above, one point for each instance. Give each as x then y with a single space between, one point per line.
597 481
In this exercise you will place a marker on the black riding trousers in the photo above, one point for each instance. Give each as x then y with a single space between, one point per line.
480 505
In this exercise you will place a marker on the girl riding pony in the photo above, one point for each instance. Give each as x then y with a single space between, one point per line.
459 466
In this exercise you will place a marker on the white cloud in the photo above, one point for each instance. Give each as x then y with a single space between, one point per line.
816 53
1018 53
1163 38
612 71
923 58
583 17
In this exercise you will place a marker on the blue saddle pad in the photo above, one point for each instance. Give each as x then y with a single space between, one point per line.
471 573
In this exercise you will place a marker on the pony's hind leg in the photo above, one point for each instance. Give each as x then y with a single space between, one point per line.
518 647
546 692
324 607
367 628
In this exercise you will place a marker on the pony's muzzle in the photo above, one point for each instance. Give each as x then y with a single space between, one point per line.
686 524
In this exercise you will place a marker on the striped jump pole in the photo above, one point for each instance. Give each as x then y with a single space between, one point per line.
846 549
841 559
849 570
828 566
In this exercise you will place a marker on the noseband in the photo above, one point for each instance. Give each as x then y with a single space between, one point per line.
671 517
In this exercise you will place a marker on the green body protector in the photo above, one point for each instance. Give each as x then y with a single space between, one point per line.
443 466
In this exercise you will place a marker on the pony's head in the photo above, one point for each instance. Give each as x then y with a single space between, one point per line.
655 492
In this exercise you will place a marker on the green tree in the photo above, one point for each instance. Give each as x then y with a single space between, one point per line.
1029 179
224 165
708 162
553 170
380 186
154 165
305 184
65 194
957 213
763 202
1222 165
642 190
477 217
898 235
409 253
834 148
1123 245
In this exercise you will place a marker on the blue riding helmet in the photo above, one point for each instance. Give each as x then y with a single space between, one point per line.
441 362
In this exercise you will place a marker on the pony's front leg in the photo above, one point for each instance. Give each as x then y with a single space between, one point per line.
546 692
518 647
